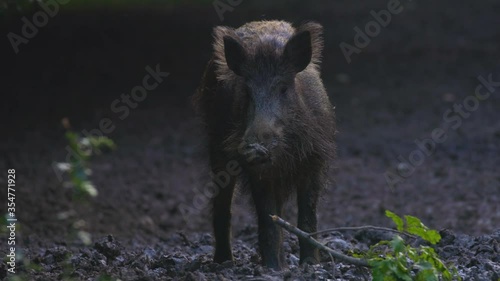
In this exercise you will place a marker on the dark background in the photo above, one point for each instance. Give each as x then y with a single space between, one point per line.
427 59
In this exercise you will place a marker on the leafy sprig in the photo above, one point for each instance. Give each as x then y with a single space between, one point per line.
395 260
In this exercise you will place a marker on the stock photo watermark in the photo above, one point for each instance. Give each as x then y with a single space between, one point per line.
220 180
11 221
223 6
122 107
202 198
49 9
454 118
363 37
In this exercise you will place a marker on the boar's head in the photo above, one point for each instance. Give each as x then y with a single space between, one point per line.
262 70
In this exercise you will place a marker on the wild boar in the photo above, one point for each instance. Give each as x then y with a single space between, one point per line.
265 106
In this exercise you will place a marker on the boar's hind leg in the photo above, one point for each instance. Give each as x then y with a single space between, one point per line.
222 221
270 235
307 199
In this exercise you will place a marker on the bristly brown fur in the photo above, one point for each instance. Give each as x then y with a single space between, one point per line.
278 90
253 40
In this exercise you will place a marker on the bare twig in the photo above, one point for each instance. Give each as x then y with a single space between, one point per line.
365 227
333 266
304 235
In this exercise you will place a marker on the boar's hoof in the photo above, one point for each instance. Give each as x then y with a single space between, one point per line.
256 154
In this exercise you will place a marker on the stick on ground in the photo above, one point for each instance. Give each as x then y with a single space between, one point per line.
304 235
366 227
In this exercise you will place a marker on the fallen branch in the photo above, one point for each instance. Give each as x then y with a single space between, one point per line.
306 236
366 227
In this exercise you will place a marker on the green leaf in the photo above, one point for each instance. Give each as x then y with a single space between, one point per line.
402 271
89 188
415 226
101 144
396 219
398 244
427 275
424 265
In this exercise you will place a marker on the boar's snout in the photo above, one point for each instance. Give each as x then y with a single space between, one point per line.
257 145
256 154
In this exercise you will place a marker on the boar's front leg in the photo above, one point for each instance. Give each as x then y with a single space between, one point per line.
270 235
307 199
222 218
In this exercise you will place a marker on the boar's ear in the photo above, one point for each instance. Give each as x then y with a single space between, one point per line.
298 50
235 54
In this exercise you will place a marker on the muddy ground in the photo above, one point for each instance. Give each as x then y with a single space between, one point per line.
396 91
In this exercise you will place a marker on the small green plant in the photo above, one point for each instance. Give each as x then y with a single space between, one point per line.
395 260
78 170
